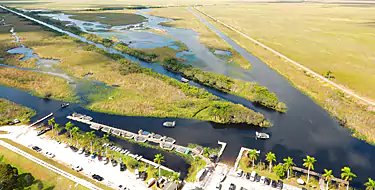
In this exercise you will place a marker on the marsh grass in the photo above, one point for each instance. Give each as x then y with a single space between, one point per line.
109 18
10 111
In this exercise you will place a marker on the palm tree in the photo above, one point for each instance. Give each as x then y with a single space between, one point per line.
308 162
106 139
253 155
327 176
347 175
288 163
175 178
68 126
90 135
158 159
270 157
370 184
56 125
75 131
51 122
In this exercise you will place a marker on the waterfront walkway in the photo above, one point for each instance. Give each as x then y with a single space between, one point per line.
122 132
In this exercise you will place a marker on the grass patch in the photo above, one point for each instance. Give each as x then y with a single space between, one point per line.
10 111
56 164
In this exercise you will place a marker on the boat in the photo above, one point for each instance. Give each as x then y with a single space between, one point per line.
259 135
185 80
169 124
64 105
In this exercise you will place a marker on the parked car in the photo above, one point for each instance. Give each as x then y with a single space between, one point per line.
97 177
239 173
247 175
218 186
267 181
15 121
143 176
232 187
105 160
262 180
100 158
252 176
114 162
274 184
87 153
280 184
36 148
77 168
136 172
74 149
150 182
81 151
160 182
122 167
49 154
243 188
257 178
222 177
93 156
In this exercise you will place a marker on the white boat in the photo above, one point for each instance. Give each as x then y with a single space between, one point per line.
185 80
261 135
169 124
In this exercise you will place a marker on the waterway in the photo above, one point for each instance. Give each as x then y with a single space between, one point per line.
306 129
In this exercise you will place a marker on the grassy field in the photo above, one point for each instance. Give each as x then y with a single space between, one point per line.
45 178
185 19
58 165
109 18
9 111
359 118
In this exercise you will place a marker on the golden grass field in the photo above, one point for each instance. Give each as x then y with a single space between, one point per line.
185 19
359 118
322 37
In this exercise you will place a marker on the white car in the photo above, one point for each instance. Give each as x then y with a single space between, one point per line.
222 177
77 168
262 179
49 154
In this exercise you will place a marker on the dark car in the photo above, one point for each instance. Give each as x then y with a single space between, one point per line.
97 177
257 178
267 181
232 187
143 176
100 158
242 188
122 167
114 162
280 184
36 148
87 153
74 149
274 184
247 175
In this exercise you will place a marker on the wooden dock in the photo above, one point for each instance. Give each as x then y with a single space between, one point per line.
312 173
40 120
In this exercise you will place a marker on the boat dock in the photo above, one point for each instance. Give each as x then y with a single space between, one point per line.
142 136
40 120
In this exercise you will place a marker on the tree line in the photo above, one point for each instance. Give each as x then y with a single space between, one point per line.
309 162
148 57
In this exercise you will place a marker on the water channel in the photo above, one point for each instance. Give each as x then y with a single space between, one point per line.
306 129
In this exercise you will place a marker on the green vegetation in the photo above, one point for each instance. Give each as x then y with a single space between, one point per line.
109 18
31 173
347 110
96 39
370 184
10 111
122 47
251 91
141 92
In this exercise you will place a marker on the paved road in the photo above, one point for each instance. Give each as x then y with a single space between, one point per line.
49 166
320 77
